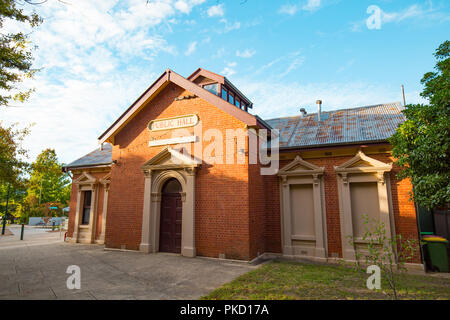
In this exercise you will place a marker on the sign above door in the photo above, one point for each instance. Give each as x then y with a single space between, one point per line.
173 123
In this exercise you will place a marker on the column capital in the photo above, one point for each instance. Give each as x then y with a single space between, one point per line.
284 180
190 171
380 177
147 173
344 178
316 179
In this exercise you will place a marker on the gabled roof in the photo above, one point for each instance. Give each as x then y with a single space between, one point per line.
200 72
167 77
207 74
98 157
374 123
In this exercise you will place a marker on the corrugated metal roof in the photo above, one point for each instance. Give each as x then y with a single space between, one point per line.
361 124
100 156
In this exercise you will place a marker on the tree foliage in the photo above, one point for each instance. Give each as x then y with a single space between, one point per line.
389 253
12 154
421 144
15 198
15 54
47 181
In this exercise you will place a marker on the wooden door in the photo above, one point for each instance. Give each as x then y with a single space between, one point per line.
170 219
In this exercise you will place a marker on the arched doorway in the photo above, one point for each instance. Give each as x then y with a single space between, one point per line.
171 217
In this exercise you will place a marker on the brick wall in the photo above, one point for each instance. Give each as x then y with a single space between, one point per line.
403 207
73 203
222 202
237 211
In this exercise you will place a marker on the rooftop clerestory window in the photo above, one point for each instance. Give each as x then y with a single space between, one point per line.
213 88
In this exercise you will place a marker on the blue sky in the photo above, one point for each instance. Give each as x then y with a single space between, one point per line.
97 57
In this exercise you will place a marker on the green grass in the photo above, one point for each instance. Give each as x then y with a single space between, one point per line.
282 280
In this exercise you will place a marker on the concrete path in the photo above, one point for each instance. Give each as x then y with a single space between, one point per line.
31 235
36 269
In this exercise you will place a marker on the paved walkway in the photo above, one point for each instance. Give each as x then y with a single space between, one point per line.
32 235
36 269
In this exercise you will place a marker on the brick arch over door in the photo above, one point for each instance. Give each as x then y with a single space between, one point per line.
154 182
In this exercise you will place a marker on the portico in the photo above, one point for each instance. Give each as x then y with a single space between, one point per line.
168 164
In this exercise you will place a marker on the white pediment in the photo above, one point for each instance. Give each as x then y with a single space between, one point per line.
362 163
85 178
170 157
300 167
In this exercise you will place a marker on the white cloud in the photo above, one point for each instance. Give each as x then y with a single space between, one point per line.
70 116
247 53
96 58
185 6
292 9
216 11
229 26
268 65
311 5
228 71
288 9
414 12
410 12
191 48
293 65
283 65
182 6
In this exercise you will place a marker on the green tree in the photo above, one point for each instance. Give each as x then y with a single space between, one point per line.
389 253
421 144
47 181
16 197
12 154
15 52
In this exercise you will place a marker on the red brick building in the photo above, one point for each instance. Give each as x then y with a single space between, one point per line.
146 189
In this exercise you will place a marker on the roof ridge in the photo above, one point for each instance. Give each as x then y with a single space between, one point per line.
396 103
170 76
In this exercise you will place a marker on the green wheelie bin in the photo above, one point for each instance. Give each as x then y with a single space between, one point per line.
436 248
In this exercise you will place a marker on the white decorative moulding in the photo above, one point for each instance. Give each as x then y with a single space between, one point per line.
184 121
179 140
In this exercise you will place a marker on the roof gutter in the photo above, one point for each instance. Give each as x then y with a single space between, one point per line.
333 145
101 165
340 145
263 123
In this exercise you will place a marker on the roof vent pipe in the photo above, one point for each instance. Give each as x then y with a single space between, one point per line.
319 109
302 112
